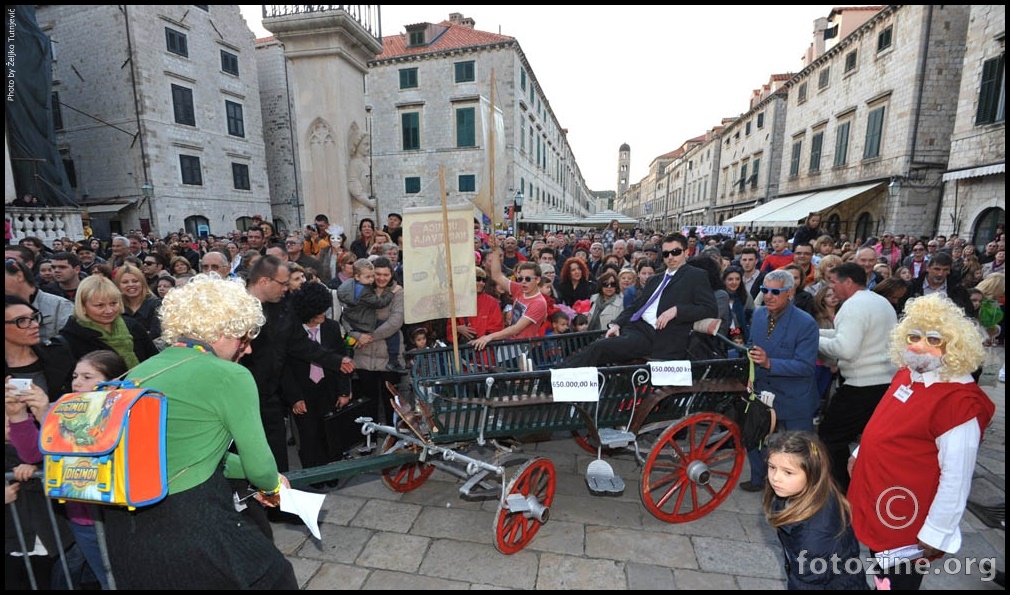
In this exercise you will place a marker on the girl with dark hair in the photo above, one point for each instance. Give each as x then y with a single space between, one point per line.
811 516
362 246
741 304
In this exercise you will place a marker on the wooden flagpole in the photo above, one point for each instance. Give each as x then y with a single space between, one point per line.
448 262
491 155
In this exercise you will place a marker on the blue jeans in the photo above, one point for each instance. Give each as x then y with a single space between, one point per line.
757 456
87 540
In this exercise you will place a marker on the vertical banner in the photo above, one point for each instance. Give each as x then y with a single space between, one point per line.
492 129
425 268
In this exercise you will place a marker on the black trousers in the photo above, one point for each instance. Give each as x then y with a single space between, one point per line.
372 383
903 577
272 412
843 422
634 342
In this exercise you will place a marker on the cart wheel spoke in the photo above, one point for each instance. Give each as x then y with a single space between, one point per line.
406 477
536 481
704 448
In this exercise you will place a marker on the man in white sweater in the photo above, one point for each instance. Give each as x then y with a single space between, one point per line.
860 342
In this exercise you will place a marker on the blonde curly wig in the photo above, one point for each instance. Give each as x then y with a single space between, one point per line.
208 308
964 352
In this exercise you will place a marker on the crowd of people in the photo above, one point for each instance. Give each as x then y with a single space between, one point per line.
319 320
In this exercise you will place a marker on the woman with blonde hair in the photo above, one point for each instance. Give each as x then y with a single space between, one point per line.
139 302
824 268
195 537
98 323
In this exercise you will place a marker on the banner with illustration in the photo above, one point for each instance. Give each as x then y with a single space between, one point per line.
426 288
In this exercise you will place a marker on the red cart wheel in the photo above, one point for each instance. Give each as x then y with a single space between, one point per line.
584 440
535 481
693 467
408 476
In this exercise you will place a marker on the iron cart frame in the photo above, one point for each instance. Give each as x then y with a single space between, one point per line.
689 451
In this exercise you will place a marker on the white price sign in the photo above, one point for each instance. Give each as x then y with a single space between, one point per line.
575 385
671 373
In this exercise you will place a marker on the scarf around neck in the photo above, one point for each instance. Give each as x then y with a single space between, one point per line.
119 340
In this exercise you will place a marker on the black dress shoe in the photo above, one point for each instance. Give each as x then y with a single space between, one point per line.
750 487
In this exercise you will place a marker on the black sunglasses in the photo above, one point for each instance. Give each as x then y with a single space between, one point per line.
525 279
774 290
608 284
674 252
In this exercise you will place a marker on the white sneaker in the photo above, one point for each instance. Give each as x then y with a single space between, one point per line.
1002 374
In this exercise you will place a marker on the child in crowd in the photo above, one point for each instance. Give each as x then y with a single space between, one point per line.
359 300
580 323
559 323
93 368
780 255
736 335
811 516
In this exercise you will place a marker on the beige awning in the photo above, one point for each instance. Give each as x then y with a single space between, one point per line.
791 214
754 215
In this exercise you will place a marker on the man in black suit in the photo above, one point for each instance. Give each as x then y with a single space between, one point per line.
656 328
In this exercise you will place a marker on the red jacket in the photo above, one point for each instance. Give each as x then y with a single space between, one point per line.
488 319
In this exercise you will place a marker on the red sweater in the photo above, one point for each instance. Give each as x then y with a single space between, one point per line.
776 261
897 462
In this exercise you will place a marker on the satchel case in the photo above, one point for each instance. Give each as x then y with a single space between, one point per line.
342 432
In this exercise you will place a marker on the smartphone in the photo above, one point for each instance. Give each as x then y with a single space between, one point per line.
22 385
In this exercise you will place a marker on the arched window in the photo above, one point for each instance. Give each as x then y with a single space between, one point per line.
281 227
985 226
864 226
197 226
243 223
834 225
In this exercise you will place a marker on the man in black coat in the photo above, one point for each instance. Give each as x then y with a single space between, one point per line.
658 323
281 341
939 279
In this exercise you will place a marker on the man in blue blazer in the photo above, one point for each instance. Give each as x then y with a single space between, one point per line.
784 353
658 323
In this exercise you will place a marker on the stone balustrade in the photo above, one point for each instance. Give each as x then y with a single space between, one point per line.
48 223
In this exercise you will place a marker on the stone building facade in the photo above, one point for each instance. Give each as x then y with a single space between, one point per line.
427 88
165 97
974 190
880 130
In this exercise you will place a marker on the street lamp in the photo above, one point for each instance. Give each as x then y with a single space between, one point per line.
517 208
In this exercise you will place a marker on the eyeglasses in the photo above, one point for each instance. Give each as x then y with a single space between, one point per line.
481 280
284 283
674 252
149 263
608 284
775 290
933 338
931 246
525 279
918 249
24 322
210 267
292 243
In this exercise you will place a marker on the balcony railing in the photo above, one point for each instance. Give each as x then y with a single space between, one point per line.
48 223
367 15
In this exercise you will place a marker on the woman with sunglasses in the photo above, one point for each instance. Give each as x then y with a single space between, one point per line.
195 538
607 303
489 315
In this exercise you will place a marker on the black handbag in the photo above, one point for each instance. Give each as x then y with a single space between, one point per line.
342 432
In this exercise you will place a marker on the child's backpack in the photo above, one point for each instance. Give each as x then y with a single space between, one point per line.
106 446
